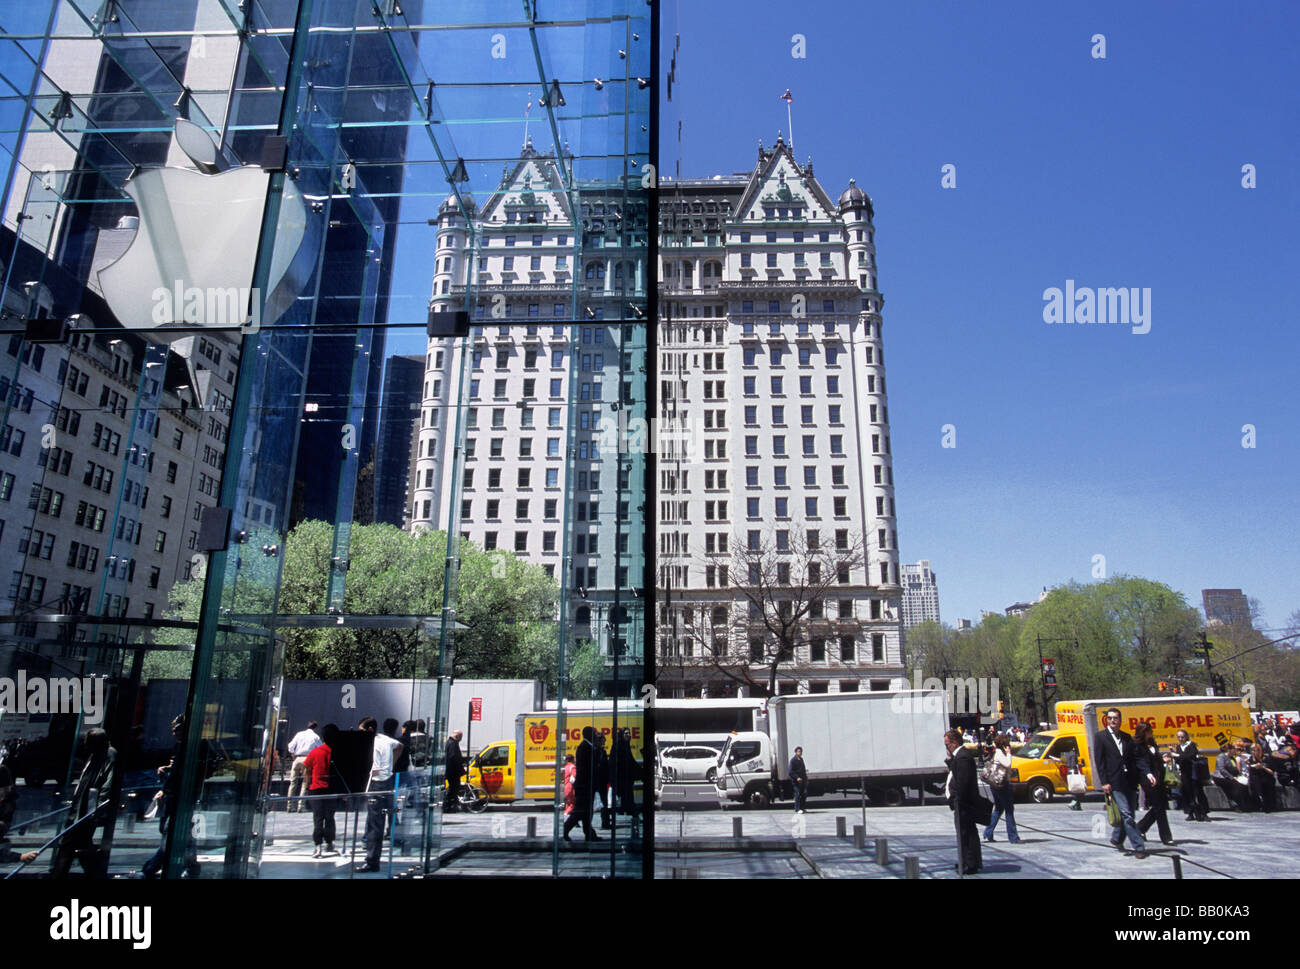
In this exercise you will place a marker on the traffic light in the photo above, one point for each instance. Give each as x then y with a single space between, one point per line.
1162 686
1002 707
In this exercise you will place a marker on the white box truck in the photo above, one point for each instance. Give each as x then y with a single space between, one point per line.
881 741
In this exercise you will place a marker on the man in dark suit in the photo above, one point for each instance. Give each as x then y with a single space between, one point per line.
962 789
1192 793
584 759
455 770
1115 769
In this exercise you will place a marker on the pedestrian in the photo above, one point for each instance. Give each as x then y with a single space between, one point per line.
625 772
999 782
601 769
1263 780
799 780
1195 806
1151 776
1071 760
583 780
1229 779
168 805
323 805
455 762
93 803
570 775
379 787
404 762
1115 766
419 745
302 744
969 809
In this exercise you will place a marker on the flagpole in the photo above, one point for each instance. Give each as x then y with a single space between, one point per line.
789 117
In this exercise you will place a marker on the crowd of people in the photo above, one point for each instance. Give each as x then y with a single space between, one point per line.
596 780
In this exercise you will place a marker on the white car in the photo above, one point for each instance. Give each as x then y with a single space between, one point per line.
689 763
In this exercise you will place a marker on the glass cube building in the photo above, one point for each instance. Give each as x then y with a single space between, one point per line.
227 514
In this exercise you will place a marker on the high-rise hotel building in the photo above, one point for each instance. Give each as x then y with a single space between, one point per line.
776 420
557 278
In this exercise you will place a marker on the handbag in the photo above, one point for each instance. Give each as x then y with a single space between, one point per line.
1112 812
1075 784
994 775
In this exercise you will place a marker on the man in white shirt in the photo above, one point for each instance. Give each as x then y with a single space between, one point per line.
302 744
385 752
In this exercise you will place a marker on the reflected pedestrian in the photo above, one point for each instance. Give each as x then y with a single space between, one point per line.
92 806
302 744
323 806
455 769
379 787
583 780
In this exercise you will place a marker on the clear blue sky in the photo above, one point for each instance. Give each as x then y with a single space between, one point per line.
1072 441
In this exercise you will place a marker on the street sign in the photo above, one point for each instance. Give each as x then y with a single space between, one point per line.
476 709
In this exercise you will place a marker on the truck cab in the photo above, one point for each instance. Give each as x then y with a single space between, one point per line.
1038 768
494 770
745 770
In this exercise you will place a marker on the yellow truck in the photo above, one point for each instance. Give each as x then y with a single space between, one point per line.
1038 767
524 768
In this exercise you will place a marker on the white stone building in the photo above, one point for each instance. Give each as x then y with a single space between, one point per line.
772 364
535 258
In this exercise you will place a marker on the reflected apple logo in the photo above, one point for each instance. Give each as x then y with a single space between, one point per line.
192 259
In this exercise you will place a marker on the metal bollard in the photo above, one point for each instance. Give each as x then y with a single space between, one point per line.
911 866
737 827
882 851
841 827
1178 867
532 827
859 837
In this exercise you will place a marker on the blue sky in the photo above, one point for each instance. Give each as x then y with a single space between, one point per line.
1072 440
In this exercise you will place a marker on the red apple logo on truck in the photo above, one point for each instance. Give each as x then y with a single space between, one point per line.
538 732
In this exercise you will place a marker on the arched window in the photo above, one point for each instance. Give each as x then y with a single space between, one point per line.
582 616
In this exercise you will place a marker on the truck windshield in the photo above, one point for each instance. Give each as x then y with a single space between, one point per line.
1033 747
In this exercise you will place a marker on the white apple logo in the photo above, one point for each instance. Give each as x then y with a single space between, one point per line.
191 261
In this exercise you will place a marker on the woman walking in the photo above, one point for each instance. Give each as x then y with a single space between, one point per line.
1002 797
1151 775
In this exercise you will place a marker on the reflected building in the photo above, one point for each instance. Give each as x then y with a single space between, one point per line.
776 479
541 476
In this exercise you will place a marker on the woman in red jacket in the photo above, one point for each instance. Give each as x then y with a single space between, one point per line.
318 765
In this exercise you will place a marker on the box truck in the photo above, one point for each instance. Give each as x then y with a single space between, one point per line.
881 741
1038 767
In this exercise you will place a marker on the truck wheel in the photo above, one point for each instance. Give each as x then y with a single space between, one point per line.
35 777
1040 790
758 796
893 797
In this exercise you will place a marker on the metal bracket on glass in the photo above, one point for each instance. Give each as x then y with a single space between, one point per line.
214 529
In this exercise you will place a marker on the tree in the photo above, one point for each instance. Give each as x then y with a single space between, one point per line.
1129 632
507 605
781 585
